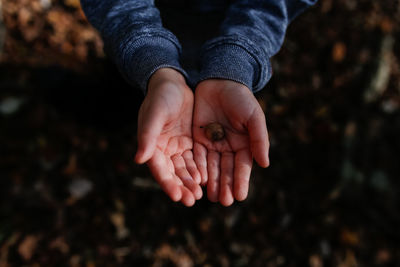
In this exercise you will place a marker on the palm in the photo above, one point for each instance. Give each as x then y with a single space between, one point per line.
228 162
175 137
174 145
215 109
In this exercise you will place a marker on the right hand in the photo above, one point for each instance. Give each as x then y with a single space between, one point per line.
165 136
226 165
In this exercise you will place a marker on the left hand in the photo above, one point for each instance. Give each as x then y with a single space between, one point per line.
225 165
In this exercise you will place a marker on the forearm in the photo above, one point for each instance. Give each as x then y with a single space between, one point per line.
251 34
134 37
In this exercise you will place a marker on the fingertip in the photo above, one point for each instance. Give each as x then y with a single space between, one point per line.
241 195
138 158
188 199
143 155
213 191
212 196
259 140
227 201
189 204
175 196
198 194
174 192
264 164
267 163
147 144
226 197
262 160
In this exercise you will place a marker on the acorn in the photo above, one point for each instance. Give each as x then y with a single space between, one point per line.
214 131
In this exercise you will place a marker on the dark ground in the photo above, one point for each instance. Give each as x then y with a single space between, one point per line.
71 195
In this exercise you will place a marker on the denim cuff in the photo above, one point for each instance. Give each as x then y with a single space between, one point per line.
150 54
234 58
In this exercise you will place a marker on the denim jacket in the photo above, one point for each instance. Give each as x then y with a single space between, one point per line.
248 34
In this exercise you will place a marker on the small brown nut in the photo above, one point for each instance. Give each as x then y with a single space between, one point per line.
214 131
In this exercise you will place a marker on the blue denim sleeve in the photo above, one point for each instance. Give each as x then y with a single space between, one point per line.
134 37
252 32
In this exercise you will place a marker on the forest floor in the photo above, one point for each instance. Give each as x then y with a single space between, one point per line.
70 194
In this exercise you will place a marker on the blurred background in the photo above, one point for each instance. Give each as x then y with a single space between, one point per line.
70 194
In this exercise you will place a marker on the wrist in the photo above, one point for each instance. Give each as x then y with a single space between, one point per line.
222 84
165 75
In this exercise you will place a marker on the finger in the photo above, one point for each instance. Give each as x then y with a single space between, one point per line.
187 197
191 166
226 186
149 129
259 142
213 169
185 177
168 182
200 157
243 164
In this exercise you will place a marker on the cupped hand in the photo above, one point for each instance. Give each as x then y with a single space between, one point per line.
225 165
165 136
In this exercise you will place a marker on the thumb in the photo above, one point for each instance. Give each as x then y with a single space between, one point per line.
150 126
259 138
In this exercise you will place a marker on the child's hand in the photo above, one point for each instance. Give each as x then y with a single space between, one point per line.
165 136
226 165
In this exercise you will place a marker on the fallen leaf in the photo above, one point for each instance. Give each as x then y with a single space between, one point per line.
315 261
349 237
71 166
75 260
381 73
45 4
24 16
60 245
205 225
279 109
5 248
383 256
10 105
118 220
349 260
121 253
27 247
339 52
351 129
322 112
179 258
386 25
80 187
73 3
